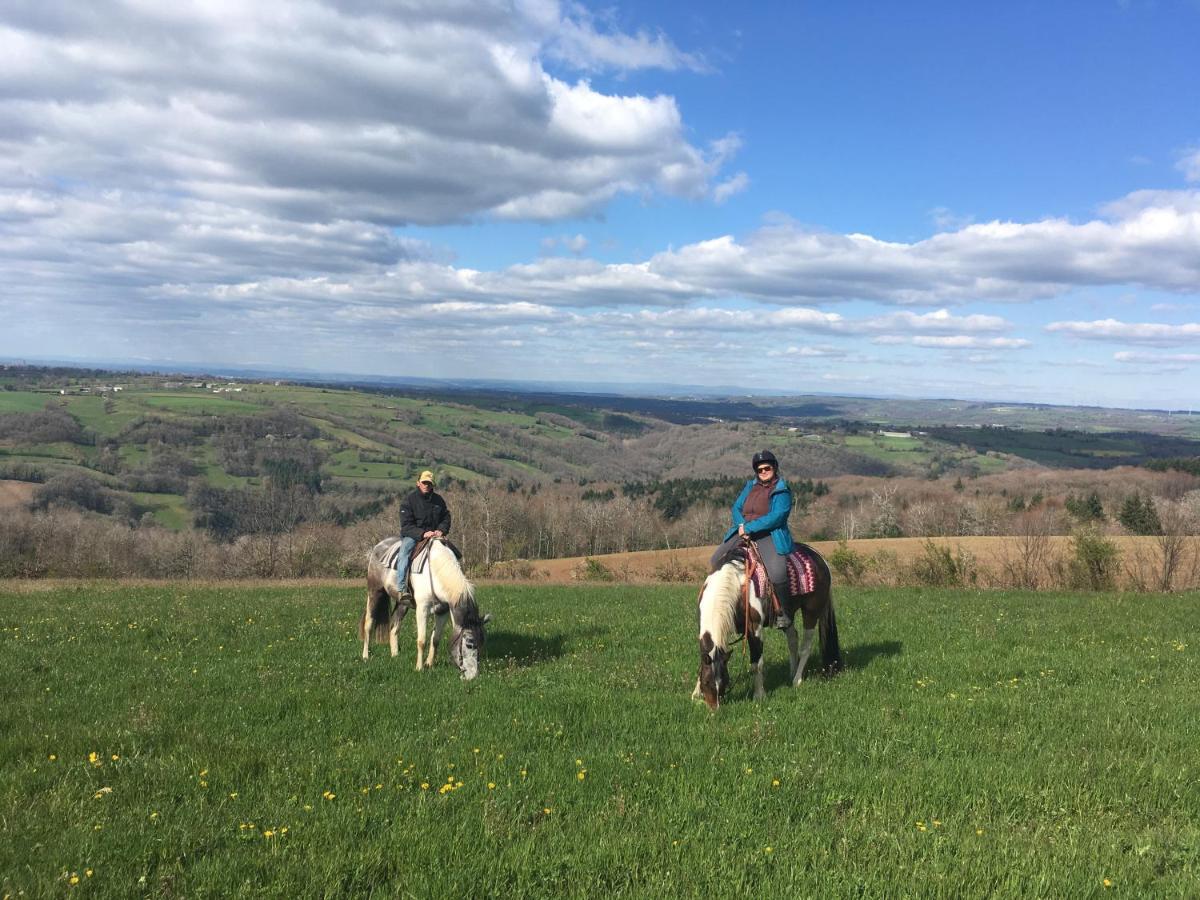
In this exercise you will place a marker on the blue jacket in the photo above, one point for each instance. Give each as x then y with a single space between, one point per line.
775 521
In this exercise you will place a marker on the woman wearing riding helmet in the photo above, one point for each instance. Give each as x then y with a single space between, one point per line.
760 513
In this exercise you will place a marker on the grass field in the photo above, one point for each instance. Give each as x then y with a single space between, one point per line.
227 741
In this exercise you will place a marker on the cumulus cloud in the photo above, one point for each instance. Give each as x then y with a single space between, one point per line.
314 110
1128 332
1147 238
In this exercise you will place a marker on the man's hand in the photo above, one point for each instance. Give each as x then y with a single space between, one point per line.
742 530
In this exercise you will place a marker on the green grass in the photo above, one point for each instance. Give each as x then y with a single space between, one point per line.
1000 744
199 404
169 510
24 401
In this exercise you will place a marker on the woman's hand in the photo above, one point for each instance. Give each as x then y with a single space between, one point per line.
742 530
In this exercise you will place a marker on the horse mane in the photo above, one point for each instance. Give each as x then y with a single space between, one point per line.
459 592
721 589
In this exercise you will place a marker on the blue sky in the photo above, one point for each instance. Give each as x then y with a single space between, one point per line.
994 201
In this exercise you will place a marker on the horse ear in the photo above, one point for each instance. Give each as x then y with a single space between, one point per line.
441 607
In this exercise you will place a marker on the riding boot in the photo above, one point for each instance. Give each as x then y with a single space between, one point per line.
782 594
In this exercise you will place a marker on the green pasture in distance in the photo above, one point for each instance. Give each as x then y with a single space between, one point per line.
90 413
169 510
24 401
199 403
228 740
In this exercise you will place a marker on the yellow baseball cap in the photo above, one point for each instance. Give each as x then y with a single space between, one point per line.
426 476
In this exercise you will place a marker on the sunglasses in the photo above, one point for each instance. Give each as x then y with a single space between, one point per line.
766 468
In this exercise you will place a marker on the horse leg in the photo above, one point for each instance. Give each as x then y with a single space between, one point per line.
793 648
422 613
756 662
439 624
394 631
805 649
365 625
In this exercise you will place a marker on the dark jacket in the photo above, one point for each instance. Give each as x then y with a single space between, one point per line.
420 513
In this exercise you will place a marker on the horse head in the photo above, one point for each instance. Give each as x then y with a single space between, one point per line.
714 671
466 645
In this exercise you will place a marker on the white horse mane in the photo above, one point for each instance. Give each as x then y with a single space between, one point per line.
718 601
453 586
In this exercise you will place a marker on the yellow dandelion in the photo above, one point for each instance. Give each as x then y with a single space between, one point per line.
979 831
233 795
308 807
937 823
768 849
115 757
74 879
491 785
1108 882
476 750
749 771
154 815
269 833
87 872
545 810
424 785
774 782
582 775
53 757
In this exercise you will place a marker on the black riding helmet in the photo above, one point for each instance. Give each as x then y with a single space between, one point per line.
764 456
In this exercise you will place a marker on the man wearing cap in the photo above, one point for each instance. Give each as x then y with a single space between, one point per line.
423 514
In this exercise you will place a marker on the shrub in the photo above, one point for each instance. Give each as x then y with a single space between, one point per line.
592 570
939 566
1093 562
672 569
849 565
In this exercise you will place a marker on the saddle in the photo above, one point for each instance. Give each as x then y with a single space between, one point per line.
389 557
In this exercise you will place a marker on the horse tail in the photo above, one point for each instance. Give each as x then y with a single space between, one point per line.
379 611
831 649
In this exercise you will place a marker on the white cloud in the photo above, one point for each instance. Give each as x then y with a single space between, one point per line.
315 110
1128 332
968 342
730 186
1189 165
1128 356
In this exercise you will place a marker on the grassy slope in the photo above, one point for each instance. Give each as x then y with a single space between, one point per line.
981 744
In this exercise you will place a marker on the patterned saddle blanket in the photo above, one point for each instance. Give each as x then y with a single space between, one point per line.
802 566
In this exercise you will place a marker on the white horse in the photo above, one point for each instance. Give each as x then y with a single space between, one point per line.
440 589
730 606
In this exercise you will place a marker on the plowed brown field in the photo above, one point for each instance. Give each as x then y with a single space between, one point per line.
990 554
15 493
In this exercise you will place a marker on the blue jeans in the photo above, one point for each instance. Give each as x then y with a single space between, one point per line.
406 547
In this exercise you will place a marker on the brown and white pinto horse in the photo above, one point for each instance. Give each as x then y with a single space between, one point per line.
440 588
730 606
